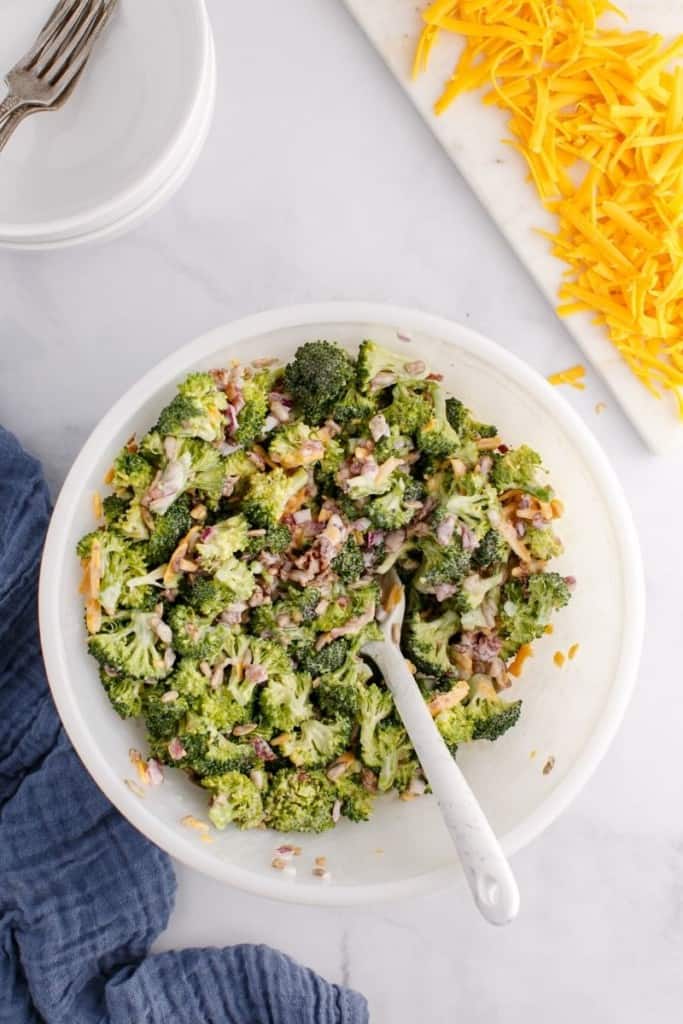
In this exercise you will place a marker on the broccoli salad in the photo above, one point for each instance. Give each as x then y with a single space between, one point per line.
233 579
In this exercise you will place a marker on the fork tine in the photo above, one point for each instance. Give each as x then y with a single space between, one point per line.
79 58
73 46
48 31
61 38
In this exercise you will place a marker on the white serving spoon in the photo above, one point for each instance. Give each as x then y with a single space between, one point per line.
486 868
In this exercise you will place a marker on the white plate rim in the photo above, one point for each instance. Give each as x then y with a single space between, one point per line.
183 849
137 193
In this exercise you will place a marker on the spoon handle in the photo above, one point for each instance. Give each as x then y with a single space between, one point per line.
486 868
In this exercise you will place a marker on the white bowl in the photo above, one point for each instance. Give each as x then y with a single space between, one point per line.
117 140
571 714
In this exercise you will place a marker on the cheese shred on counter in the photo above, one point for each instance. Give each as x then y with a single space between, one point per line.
597 113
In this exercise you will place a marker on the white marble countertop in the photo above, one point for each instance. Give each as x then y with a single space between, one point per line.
320 182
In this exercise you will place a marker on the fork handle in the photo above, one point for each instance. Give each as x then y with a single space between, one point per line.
8 107
486 868
9 124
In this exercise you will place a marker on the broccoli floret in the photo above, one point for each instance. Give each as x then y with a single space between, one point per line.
299 801
378 368
317 743
320 373
188 680
125 694
354 407
390 511
252 417
347 605
284 700
375 705
209 597
241 651
392 748
209 754
518 470
427 642
296 444
194 636
236 799
237 578
276 540
339 693
437 437
474 509
275 622
118 562
455 725
197 411
163 718
268 494
440 564
491 553
221 541
409 409
114 509
377 478
356 801
478 596
395 444
219 710
129 643
348 564
132 472
238 468
490 716
191 465
543 543
169 528
460 418
527 606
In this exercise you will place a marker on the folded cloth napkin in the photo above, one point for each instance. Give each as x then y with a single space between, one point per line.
82 894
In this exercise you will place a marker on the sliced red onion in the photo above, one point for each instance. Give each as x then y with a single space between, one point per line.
255 674
485 465
263 750
230 420
375 538
176 749
503 449
257 460
379 427
570 581
468 537
402 336
444 531
238 402
155 773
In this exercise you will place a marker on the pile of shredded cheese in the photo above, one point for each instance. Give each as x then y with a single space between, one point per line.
598 116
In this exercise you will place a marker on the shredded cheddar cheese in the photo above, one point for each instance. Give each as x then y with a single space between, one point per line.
517 666
559 658
573 376
597 114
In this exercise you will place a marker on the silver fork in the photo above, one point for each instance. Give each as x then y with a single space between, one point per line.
44 78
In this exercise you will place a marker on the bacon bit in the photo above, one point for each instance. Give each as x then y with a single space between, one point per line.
97 509
488 444
199 513
573 651
549 765
189 821
438 377
600 408
443 701
549 629
263 750
322 873
557 508
559 658
108 476
131 444
288 851
573 376
517 666
368 780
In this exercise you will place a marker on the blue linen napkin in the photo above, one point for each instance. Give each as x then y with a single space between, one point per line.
82 894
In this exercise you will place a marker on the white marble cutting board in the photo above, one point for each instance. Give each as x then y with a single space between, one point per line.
471 134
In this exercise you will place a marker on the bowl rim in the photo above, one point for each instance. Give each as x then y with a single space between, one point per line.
348 312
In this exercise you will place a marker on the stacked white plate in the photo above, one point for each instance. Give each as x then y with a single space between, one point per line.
125 140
